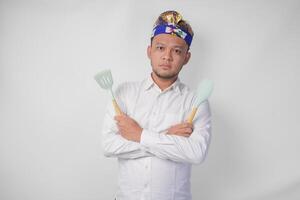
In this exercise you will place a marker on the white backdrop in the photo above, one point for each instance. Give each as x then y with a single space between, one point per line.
52 109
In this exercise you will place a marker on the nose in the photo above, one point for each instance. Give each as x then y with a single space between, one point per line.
167 55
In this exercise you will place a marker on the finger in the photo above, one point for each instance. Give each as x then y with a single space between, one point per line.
119 127
188 130
186 135
118 121
183 131
171 132
121 124
118 118
121 130
188 125
185 125
122 116
180 134
176 130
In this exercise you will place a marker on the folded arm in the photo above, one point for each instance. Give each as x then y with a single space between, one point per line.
192 149
113 144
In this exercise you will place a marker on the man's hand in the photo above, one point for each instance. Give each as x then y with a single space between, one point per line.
183 129
128 128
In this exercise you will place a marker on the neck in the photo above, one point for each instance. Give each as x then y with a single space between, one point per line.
163 83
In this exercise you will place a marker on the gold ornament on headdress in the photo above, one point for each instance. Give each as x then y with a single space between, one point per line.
171 17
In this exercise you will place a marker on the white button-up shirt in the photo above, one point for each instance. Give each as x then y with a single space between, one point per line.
159 167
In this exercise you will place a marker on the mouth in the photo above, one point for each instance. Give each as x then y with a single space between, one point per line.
165 66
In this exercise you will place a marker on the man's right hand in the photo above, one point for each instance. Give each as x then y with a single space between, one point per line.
183 129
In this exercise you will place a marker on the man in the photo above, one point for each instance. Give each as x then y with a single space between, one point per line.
154 145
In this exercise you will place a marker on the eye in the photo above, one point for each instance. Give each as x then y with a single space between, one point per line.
178 51
160 48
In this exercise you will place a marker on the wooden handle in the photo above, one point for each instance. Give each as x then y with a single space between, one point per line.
192 115
117 108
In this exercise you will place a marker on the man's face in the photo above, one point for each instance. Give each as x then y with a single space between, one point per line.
168 54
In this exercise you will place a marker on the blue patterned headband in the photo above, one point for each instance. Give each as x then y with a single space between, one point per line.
172 29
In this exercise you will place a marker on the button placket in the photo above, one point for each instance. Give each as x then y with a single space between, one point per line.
154 111
148 178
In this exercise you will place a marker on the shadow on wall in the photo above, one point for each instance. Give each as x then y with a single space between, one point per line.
197 67
288 192
225 169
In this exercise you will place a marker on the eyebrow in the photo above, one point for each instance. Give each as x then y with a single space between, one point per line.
175 46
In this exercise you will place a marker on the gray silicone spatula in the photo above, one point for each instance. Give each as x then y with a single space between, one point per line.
204 90
105 80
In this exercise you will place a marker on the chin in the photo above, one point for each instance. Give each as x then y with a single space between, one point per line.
166 76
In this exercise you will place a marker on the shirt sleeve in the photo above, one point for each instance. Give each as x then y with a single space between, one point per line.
191 149
113 144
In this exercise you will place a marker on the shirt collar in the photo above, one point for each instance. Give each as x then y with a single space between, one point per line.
149 83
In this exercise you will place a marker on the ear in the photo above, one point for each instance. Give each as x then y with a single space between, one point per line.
187 58
149 51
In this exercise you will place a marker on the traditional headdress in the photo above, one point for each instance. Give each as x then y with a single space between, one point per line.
171 22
